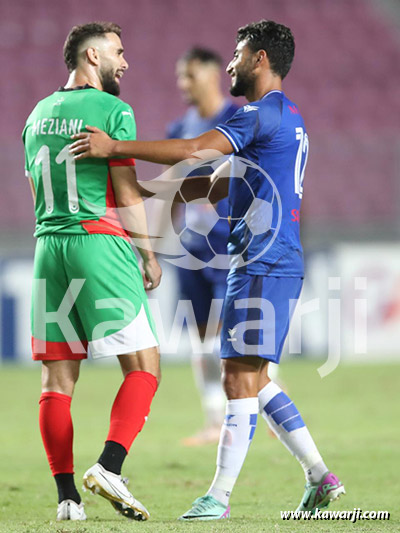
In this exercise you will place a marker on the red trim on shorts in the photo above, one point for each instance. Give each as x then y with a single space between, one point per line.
58 351
104 227
130 162
110 224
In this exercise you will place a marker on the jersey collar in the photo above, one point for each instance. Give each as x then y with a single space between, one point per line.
78 88
271 92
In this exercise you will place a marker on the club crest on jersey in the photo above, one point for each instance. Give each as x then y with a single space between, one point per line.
59 101
249 107
231 334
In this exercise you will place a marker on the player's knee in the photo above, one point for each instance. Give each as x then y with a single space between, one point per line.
237 383
147 360
155 370
232 385
60 385
60 376
157 375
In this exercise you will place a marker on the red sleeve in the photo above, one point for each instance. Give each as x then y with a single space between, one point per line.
121 162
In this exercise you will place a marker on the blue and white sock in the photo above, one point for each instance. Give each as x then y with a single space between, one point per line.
236 435
285 421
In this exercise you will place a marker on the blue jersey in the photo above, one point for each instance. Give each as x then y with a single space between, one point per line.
189 126
270 135
192 124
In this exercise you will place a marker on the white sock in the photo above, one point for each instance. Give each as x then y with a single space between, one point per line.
213 400
207 373
285 421
236 435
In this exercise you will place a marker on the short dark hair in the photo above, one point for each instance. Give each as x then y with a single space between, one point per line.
79 34
276 39
204 55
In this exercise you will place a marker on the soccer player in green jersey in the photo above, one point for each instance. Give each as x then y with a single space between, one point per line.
88 292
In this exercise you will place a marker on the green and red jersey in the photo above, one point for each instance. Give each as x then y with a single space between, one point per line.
72 197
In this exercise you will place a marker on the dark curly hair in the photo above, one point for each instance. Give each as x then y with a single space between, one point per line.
79 34
204 55
276 39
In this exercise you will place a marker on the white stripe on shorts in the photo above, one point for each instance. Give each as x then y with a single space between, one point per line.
137 335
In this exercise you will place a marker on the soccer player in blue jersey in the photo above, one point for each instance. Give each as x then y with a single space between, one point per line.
269 132
199 80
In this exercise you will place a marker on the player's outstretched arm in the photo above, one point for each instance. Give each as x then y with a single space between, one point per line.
214 187
96 143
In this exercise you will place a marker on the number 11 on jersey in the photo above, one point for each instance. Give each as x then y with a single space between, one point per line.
43 158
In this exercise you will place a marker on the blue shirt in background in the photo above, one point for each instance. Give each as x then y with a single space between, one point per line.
189 126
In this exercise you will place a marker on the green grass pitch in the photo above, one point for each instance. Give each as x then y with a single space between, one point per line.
353 415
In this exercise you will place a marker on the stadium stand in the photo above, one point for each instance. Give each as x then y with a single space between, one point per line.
344 80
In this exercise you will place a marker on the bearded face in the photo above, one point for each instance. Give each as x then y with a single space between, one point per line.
108 80
241 70
242 81
112 64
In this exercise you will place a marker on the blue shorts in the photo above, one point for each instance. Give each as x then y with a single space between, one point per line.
201 287
256 315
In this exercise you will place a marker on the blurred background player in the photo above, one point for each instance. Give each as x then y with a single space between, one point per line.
75 244
198 74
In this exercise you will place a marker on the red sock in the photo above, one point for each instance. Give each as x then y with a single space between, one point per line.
131 407
57 431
